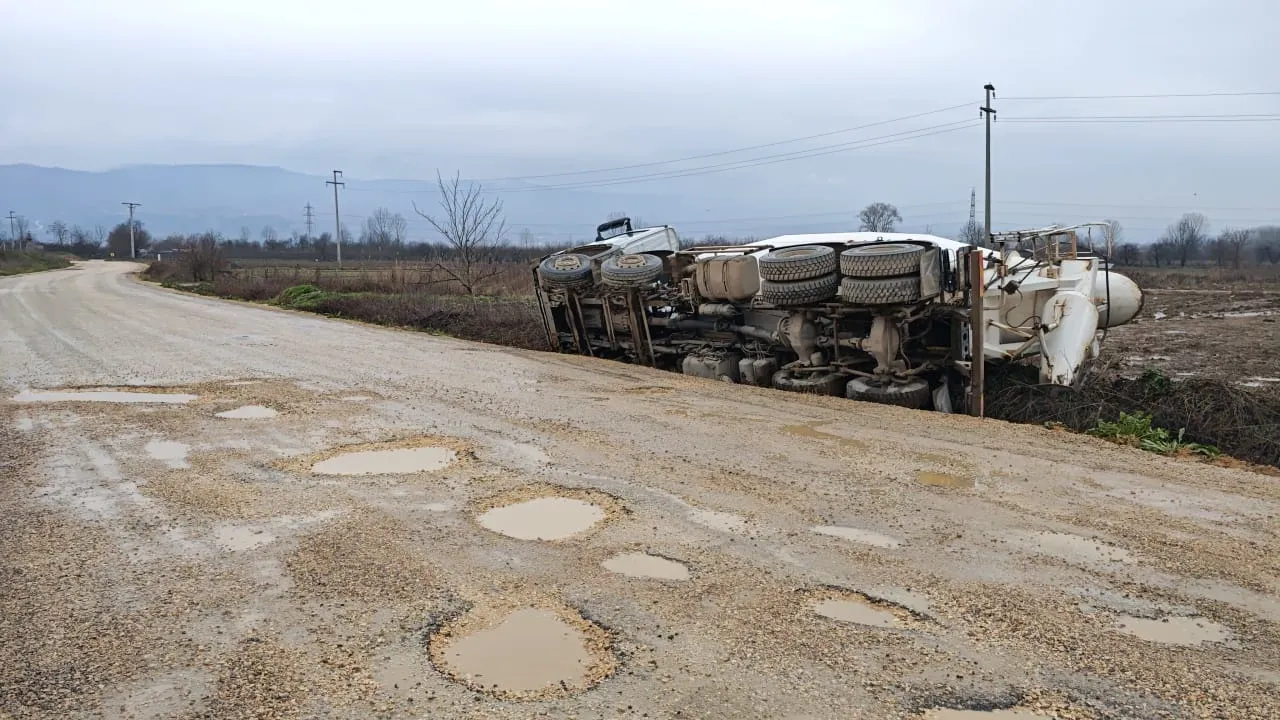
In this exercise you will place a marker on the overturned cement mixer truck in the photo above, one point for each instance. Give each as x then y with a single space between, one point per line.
879 317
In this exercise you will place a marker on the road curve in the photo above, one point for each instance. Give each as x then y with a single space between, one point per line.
161 561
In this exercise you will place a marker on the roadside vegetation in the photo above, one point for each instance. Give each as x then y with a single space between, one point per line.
16 262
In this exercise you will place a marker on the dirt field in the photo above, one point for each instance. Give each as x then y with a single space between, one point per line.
818 558
1225 329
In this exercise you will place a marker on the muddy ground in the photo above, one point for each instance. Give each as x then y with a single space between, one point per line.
1230 333
841 560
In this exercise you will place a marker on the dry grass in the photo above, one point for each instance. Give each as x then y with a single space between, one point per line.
503 279
1255 277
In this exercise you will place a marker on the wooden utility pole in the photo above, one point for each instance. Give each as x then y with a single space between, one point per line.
337 223
12 217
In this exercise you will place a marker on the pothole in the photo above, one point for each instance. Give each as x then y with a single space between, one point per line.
857 611
544 518
1072 548
171 453
238 537
524 653
643 565
427 453
866 537
386 462
722 521
1176 630
855 607
107 396
248 412
1001 714
946 480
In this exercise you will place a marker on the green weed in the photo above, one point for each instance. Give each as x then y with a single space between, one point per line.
1136 430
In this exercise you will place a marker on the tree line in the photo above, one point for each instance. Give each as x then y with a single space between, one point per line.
384 236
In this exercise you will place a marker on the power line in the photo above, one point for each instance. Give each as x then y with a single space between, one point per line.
1142 97
765 160
1256 117
728 152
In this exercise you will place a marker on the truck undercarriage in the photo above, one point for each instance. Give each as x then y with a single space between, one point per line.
880 317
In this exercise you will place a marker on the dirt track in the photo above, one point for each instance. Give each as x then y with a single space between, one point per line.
158 561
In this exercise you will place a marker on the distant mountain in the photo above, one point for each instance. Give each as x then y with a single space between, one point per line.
225 198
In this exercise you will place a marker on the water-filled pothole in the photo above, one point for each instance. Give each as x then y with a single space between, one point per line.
643 565
1071 548
857 611
107 396
544 518
946 480
526 653
1176 630
1002 714
399 461
248 412
170 452
865 537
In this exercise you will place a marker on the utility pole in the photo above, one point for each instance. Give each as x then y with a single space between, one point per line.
337 223
309 217
133 251
12 217
989 113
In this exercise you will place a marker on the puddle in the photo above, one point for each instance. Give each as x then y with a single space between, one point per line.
855 611
1072 548
545 518
356 398
173 454
438 507
109 396
810 430
937 479
237 538
865 537
1177 630
248 412
642 565
1004 714
25 424
531 650
386 462
723 521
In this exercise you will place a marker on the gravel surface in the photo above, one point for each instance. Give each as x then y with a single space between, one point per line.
232 582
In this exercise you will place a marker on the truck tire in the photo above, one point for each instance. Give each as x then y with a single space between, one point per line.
565 271
800 292
881 260
913 394
882 291
828 383
631 270
798 263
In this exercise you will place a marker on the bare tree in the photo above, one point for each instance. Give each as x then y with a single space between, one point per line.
1217 250
81 237
203 259
59 231
879 217
384 230
246 235
1113 233
1161 250
1187 236
23 227
1128 254
99 235
972 233
1267 244
1233 242
472 226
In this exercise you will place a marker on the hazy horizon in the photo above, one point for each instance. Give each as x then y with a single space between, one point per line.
499 91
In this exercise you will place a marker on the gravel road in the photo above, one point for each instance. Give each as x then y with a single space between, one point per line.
161 561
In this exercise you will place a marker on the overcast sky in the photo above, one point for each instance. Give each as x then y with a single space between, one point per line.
494 89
